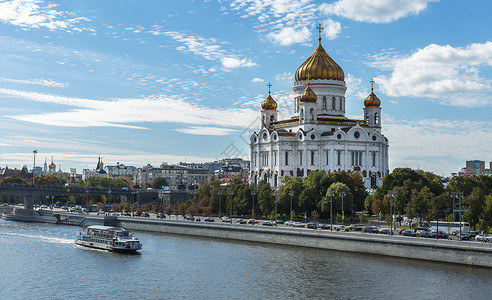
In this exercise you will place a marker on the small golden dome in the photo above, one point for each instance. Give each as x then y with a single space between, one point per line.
320 66
269 103
52 166
372 100
308 95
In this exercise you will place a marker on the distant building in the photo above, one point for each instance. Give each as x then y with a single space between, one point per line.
22 173
120 170
178 177
474 167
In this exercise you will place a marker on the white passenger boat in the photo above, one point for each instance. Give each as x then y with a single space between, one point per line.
108 238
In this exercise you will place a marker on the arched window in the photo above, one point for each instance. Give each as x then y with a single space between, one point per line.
324 102
341 105
376 118
312 158
286 158
333 103
367 117
272 119
311 112
301 114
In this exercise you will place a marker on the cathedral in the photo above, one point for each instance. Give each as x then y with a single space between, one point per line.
319 136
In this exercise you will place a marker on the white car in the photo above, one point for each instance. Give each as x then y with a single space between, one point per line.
481 237
298 224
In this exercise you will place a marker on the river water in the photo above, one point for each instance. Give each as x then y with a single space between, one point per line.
41 261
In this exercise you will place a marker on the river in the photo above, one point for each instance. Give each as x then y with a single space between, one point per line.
41 261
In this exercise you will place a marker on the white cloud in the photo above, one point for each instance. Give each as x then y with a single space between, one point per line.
121 112
431 143
43 82
256 79
209 49
199 130
375 11
290 35
286 76
332 28
449 75
32 14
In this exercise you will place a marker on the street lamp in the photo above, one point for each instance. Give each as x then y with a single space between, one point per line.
392 198
34 166
342 194
331 194
253 193
231 193
291 193
276 194
458 196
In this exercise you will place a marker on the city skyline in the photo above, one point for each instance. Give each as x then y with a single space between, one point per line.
155 82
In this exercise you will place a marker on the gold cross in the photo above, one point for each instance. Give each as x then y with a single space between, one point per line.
372 84
319 31
269 86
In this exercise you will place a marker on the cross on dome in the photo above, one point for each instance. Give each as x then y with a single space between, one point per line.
372 84
269 85
319 31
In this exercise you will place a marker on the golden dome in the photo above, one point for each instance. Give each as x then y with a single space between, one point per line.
52 166
320 66
372 100
308 95
269 103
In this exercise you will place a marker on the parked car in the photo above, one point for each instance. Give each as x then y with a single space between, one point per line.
462 236
421 228
298 224
189 217
482 237
384 231
424 233
473 234
226 219
342 228
312 225
355 227
440 234
279 221
371 229
268 223
408 232
161 215
241 221
252 221
209 219
323 226
145 215
289 223
5 204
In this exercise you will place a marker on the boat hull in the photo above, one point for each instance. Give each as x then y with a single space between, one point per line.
106 247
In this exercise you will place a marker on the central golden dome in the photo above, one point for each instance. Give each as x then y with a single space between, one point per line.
320 66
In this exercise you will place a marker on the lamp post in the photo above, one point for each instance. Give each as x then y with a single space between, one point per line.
231 193
276 194
458 196
392 198
253 193
342 194
331 195
291 193
34 166
220 200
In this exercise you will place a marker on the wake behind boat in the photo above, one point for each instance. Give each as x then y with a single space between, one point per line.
108 238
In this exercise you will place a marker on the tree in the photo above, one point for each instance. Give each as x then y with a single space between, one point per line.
476 205
337 188
419 203
13 180
159 182
49 180
487 214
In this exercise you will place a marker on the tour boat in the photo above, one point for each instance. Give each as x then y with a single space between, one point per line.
108 238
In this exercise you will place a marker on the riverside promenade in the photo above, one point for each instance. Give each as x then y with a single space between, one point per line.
449 251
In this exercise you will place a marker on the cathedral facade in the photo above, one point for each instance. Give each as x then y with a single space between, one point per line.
319 136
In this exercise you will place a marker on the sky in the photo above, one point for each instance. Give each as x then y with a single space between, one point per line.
139 82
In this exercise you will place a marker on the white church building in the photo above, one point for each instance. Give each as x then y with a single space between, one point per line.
319 136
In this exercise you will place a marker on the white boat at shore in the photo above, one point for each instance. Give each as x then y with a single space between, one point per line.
108 238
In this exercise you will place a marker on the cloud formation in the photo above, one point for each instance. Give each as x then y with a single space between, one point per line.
375 11
42 82
33 14
125 112
451 75
209 49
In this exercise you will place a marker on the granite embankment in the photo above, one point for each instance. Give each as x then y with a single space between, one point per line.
449 251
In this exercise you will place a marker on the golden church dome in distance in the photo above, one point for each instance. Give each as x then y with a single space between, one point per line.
269 103
308 95
320 65
372 100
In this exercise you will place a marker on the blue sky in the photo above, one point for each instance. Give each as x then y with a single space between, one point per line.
142 82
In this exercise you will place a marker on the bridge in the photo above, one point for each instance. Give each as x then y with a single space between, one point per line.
29 192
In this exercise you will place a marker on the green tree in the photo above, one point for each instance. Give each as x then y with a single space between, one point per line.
49 180
13 180
419 203
476 205
337 189
487 214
